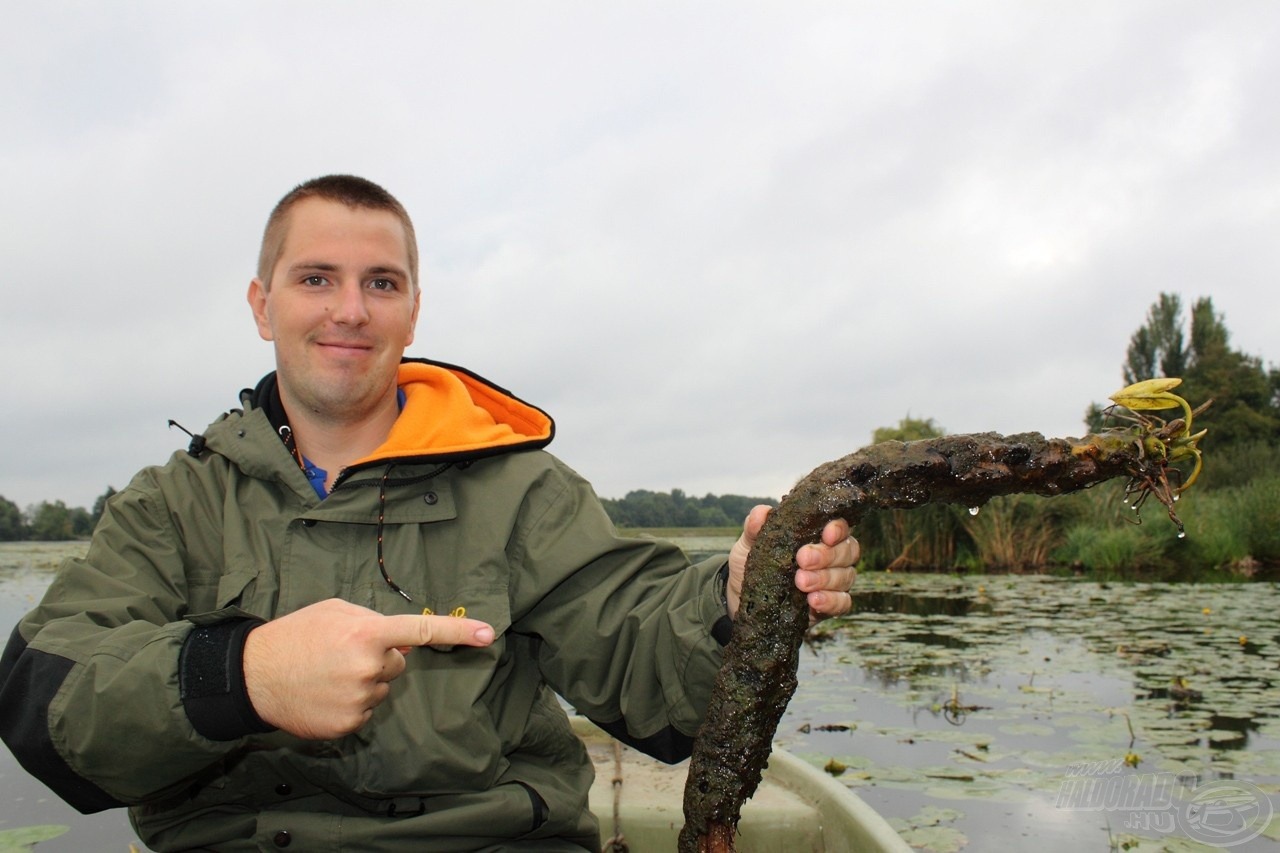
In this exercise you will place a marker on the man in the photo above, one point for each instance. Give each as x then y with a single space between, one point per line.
340 619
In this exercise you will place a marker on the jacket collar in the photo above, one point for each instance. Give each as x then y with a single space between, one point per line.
450 414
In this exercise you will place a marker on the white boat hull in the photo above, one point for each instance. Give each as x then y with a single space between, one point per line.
797 807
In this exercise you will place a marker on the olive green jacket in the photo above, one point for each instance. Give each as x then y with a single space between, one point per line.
123 688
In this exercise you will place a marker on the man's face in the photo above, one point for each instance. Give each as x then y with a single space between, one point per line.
340 308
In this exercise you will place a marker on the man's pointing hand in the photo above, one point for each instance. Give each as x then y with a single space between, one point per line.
319 672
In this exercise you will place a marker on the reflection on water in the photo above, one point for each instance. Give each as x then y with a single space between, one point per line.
915 604
930 638
1230 732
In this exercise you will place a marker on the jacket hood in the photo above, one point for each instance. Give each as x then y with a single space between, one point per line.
450 414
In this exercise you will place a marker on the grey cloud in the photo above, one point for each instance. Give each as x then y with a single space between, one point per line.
721 244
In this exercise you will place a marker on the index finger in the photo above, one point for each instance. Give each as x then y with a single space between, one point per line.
409 630
837 549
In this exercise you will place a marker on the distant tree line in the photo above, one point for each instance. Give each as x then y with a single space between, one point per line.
49 521
643 508
54 521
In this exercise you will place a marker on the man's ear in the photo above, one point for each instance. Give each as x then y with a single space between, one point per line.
413 321
257 297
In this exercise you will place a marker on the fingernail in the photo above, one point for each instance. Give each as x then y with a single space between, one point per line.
484 635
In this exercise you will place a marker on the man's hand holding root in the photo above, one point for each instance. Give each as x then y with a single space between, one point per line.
826 573
319 672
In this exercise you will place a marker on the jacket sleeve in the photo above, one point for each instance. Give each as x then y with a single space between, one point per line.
627 631
90 699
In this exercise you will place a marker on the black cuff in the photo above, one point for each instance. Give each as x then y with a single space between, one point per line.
211 681
670 746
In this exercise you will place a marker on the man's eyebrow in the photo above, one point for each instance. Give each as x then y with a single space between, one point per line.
324 266
396 271
305 266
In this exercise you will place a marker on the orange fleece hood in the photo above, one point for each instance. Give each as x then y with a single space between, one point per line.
451 414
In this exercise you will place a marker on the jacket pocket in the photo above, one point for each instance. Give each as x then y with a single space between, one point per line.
488 602
206 594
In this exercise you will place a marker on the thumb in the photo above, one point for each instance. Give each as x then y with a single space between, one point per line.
403 630
750 530
755 520
738 554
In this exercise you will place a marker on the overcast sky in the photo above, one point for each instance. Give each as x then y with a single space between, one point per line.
720 242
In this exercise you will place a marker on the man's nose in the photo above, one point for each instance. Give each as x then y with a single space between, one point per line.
351 309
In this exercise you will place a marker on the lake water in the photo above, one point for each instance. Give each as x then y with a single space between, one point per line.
977 713
1049 714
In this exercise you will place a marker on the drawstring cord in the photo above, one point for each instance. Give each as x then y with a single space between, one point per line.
196 447
286 435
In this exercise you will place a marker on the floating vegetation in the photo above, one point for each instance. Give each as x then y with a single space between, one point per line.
27 837
930 830
955 712
1140 680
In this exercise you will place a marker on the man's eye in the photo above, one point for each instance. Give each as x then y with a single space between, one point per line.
382 284
315 280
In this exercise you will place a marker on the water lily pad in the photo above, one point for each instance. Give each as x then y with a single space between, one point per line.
26 837
925 831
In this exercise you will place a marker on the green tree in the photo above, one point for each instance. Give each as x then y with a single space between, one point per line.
100 505
12 527
81 522
1158 348
908 429
51 522
1243 392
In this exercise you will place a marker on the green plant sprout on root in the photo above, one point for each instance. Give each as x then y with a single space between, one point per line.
1164 441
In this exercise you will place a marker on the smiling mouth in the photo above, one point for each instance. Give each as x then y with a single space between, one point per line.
357 346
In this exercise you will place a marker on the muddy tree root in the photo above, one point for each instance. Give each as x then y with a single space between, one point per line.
758 675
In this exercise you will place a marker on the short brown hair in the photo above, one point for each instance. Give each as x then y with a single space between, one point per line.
350 190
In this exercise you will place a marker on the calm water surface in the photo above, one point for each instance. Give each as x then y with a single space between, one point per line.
977 713
998 713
